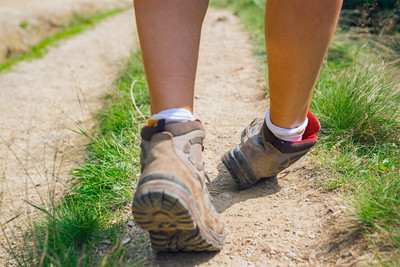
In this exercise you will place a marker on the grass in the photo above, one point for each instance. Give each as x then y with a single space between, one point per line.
356 99
356 102
359 152
69 233
359 103
78 25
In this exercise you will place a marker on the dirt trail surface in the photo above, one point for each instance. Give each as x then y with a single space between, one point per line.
25 22
286 221
41 101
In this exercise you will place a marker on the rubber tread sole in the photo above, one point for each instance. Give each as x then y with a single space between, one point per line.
171 218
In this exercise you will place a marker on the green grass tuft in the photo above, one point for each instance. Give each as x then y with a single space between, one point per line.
359 103
24 24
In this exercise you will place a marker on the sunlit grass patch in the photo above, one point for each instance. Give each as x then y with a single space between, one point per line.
359 152
359 103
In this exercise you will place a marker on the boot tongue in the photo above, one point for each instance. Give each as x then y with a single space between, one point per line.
176 129
148 131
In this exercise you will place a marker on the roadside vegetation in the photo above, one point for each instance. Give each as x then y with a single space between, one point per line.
76 26
357 100
86 227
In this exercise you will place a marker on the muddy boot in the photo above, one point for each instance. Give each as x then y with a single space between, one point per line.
172 200
261 154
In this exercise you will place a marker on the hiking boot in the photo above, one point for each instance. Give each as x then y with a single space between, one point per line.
172 200
261 154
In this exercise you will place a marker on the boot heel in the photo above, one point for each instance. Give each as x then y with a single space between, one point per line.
157 209
239 168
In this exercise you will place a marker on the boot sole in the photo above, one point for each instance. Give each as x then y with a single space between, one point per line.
239 168
164 206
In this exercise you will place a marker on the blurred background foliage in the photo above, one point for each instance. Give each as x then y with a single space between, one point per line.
385 4
375 16
374 21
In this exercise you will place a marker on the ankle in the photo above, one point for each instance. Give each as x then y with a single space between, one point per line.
285 134
172 115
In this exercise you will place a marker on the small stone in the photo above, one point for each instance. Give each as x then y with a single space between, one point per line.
197 96
222 19
273 252
311 235
126 241
299 233
130 224
329 211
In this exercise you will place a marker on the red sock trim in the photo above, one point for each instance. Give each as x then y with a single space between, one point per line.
312 128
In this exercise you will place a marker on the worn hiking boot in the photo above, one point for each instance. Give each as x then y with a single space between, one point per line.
172 200
261 154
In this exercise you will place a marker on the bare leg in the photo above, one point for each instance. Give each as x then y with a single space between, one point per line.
169 32
298 34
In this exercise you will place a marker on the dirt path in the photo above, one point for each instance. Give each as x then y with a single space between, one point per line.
24 23
279 222
286 221
41 101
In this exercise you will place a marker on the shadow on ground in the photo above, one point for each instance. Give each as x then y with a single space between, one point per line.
226 193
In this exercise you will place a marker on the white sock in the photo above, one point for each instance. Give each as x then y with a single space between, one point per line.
173 115
290 135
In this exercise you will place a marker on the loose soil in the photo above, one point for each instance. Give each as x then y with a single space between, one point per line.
287 221
41 103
